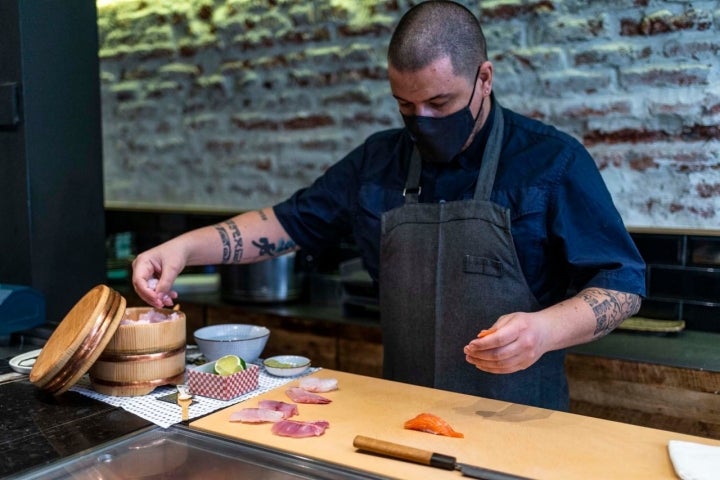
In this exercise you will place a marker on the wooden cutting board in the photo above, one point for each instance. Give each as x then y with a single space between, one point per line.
513 438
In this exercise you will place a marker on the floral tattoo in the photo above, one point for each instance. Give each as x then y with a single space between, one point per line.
610 308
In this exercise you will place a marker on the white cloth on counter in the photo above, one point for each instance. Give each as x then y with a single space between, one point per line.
695 461
166 414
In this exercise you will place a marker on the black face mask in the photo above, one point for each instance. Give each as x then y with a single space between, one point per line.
440 139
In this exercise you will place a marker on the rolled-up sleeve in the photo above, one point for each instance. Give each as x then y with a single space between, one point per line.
318 216
599 250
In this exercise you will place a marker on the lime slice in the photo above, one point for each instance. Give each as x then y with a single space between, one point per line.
229 364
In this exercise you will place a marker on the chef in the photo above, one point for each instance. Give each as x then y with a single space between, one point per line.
472 218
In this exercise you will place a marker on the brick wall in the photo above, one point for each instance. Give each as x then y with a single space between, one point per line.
234 104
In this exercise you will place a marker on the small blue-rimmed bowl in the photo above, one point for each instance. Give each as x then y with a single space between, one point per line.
286 365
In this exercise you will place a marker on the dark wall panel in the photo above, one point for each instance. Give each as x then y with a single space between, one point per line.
51 208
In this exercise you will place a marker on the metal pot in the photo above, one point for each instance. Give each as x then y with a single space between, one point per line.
272 280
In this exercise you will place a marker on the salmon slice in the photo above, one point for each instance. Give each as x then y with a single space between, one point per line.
485 333
427 422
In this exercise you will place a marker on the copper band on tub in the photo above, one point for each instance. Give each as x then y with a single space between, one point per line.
142 356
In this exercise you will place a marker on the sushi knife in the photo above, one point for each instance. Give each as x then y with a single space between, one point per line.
425 457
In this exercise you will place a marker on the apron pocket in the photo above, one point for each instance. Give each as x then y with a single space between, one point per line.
482 265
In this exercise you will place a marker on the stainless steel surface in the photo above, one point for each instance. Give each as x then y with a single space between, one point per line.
180 453
485 474
273 280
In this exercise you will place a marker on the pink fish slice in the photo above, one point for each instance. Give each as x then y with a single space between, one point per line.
298 395
297 429
287 409
318 385
256 415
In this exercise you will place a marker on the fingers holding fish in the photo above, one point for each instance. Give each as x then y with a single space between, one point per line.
509 365
485 332
153 275
506 358
511 345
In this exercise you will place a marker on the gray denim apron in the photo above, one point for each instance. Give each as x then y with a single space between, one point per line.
447 271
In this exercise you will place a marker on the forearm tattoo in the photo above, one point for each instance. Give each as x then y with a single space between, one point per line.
232 243
610 308
263 216
225 239
266 247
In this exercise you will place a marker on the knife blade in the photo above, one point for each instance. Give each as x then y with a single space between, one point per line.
425 457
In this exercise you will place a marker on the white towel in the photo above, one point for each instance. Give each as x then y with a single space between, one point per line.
695 461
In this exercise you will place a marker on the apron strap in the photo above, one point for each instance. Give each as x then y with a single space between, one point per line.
491 156
412 189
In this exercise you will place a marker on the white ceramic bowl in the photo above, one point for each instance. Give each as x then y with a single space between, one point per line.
245 341
286 365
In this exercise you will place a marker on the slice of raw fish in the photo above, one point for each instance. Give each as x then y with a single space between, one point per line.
430 423
298 395
297 429
256 415
149 317
287 409
318 385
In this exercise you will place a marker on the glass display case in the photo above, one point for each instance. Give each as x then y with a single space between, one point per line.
180 453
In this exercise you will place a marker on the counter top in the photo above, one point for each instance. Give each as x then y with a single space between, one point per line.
507 437
686 349
37 429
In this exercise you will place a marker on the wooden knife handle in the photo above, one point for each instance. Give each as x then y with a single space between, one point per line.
404 452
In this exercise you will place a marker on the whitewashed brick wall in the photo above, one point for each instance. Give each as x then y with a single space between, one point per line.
234 104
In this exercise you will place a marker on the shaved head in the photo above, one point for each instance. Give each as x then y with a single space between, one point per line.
435 29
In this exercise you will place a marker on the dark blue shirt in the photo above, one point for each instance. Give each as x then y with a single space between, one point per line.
567 232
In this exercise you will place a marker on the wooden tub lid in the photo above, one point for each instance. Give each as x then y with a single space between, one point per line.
78 340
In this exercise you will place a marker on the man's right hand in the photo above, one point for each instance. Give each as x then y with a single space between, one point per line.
154 272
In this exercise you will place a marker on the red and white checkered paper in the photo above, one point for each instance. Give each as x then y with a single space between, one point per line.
222 387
